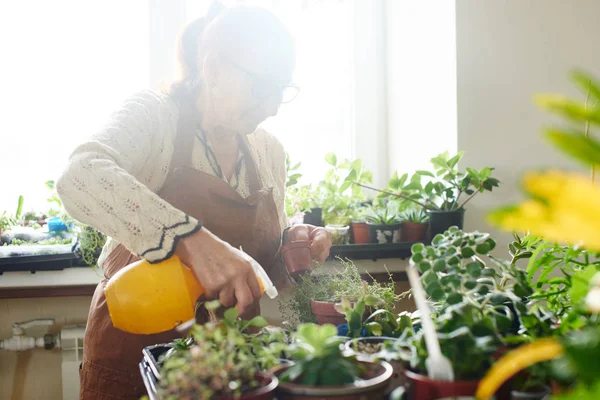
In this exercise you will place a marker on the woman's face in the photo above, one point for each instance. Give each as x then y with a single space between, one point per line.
247 89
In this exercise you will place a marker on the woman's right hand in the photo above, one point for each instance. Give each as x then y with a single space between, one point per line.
225 272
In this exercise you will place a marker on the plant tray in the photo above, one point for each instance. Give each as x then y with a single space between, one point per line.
33 263
150 368
372 251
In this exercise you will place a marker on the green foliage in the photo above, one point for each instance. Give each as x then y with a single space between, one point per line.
574 140
383 215
91 243
417 215
479 302
220 359
331 287
318 358
336 193
444 186
6 221
559 275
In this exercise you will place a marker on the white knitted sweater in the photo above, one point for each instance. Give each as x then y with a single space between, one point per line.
112 179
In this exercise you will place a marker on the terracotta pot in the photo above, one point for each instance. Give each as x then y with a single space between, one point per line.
373 387
420 387
297 257
413 231
384 233
326 313
360 233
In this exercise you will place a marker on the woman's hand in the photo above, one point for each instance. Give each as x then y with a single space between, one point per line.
321 242
225 272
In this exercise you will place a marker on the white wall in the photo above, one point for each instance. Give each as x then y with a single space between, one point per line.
507 51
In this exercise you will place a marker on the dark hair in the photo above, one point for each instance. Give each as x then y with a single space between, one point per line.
230 31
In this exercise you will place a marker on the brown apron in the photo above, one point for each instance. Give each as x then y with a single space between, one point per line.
110 362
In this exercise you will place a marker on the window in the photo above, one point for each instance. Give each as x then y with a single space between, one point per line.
67 64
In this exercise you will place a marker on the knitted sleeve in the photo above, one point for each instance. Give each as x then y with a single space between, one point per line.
100 186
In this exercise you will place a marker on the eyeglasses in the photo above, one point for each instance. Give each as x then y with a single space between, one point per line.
263 88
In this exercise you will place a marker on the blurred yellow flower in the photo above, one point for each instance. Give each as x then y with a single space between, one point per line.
563 207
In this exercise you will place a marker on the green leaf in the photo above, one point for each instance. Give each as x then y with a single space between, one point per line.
587 83
454 160
231 315
258 322
575 144
474 269
372 300
467 252
454 298
425 173
212 305
573 110
439 265
424 266
357 165
331 159
580 284
345 185
374 328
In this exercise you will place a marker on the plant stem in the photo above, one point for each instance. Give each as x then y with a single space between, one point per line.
469 198
425 206
587 131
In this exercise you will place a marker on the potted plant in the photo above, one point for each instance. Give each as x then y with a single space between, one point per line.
314 296
415 223
339 197
446 193
359 230
321 370
222 362
477 310
384 225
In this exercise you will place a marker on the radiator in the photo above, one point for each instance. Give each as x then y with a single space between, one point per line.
71 345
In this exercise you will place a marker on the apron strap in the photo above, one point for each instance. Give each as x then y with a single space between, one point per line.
251 167
184 142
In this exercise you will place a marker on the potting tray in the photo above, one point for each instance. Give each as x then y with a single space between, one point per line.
33 263
372 251
150 368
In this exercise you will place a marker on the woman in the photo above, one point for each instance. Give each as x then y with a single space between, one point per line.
188 173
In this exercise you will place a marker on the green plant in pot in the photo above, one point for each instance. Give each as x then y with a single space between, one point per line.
315 295
415 222
477 309
339 197
222 362
359 230
322 370
446 192
384 224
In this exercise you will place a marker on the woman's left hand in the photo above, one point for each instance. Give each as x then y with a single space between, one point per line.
321 242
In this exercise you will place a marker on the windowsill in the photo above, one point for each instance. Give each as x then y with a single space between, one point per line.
372 251
73 281
82 281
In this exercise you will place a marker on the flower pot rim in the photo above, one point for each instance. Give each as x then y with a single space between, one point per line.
268 388
391 225
462 210
362 386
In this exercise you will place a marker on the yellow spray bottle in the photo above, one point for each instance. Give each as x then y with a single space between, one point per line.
145 298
